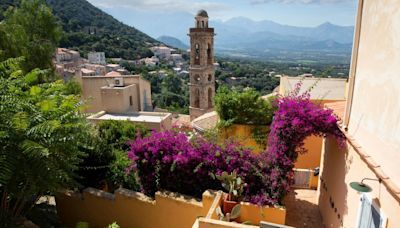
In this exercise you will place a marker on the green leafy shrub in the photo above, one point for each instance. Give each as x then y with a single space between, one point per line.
119 175
107 159
243 107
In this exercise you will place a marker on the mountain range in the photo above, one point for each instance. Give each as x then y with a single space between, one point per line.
242 36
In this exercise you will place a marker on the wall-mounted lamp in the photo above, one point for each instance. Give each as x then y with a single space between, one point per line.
361 187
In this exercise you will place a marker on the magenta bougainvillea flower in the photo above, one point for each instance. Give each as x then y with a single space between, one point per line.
171 161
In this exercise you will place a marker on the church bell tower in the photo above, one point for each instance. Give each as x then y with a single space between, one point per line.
202 72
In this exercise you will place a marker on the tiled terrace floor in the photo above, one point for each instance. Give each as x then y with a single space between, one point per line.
302 209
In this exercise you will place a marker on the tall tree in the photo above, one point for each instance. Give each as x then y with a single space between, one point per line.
29 30
42 138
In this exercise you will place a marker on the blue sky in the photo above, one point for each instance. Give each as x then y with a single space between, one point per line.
291 12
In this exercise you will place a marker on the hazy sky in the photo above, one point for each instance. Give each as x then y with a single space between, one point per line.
291 12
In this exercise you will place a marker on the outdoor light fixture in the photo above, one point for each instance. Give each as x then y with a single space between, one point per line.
361 187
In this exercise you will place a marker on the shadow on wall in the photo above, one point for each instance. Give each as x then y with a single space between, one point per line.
332 188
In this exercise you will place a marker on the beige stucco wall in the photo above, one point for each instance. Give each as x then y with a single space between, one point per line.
372 119
375 109
145 94
339 168
91 90
117 99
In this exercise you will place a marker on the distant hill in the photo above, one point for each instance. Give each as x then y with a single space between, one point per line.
173 42
87 28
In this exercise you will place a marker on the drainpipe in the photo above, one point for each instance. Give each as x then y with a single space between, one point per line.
353 67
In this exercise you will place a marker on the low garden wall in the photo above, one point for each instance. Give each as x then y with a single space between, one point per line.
133 209
130 209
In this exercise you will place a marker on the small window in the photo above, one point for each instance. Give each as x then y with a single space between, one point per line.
209 77
130 100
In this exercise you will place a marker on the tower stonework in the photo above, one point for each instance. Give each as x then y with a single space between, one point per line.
202 72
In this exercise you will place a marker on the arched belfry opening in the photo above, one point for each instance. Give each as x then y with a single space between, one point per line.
197 98
209 55
202 81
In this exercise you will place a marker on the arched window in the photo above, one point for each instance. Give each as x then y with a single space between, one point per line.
209 77
210 94
197 54
202 24
197 98
198 24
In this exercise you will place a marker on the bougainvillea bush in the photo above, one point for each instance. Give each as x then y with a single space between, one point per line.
171 161
168 160
296 118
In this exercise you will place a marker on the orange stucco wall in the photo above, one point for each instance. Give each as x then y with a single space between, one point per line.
133 209
338 202
312 157
313 144
256 214
244 134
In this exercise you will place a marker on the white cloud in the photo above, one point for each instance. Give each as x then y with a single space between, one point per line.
254 2
162 5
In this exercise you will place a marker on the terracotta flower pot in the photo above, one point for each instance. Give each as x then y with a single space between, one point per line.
227 205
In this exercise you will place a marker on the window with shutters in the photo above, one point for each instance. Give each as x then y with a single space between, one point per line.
370 215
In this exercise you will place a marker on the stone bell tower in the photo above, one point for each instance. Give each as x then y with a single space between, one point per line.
202 73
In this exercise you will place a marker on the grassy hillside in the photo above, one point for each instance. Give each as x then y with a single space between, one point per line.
87 28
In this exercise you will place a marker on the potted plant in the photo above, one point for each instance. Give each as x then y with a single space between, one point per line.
234 185
228 216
